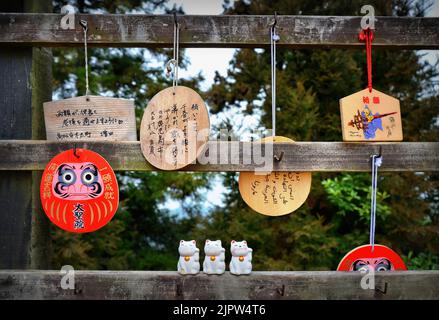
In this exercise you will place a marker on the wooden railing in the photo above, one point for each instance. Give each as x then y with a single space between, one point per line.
116 30
24 38
147 285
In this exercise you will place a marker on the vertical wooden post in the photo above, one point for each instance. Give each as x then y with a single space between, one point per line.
26 84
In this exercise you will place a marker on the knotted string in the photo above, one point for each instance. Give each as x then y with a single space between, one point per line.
366 35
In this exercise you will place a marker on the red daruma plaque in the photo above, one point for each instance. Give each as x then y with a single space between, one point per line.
378 257
79 191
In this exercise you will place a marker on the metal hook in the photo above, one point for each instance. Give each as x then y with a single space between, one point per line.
74 151
379 155
273 25
175 18
83 24
279 158
383 291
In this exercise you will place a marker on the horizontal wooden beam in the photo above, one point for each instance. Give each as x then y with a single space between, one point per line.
232 31
298 156
143 285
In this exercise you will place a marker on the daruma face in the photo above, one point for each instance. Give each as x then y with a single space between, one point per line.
79 193
77 181
366 258
377 264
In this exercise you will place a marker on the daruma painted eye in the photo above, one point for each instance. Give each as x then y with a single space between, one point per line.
68 177
79 193
88 176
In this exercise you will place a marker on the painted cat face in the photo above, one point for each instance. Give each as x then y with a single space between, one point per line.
378 264
213 248
187 248
238 248
77 181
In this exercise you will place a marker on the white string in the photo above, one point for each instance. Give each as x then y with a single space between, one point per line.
176 48
376 162
84 26
273 39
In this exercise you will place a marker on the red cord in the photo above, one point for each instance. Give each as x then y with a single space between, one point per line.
366 35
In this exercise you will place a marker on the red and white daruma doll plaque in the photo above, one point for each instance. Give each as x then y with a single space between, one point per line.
79 191
378 257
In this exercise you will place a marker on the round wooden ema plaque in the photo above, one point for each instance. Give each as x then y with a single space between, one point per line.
275 193
79 191
175 128
380 258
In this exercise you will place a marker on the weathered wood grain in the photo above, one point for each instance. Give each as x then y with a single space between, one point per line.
298 156
15 187
150 285
41 83
25 83
215 31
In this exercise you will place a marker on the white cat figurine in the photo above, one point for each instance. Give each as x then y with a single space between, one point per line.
241 262
215 256
189 261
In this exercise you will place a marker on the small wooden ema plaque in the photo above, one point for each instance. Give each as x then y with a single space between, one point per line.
90 118
275 193
175 128
370 116
79 191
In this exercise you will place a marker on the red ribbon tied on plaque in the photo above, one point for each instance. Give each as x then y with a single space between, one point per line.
79 191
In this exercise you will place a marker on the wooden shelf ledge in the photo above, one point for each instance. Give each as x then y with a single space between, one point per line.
227 31
299 156
15 284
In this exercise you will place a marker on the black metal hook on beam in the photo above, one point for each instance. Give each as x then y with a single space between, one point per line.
74 151
83 24
175 18
380 152
384 290
279 158
273 25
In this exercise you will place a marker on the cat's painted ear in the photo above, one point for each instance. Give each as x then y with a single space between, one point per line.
233 241
220 242
194 242
181 241
245 242
207 241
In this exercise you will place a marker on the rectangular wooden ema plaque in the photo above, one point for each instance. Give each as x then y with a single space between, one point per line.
90 118
370 116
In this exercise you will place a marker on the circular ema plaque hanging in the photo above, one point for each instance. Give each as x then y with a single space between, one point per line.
380 258
175 128
79 191
276 193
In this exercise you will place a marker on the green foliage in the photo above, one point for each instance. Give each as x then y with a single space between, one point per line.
423 261
351 193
